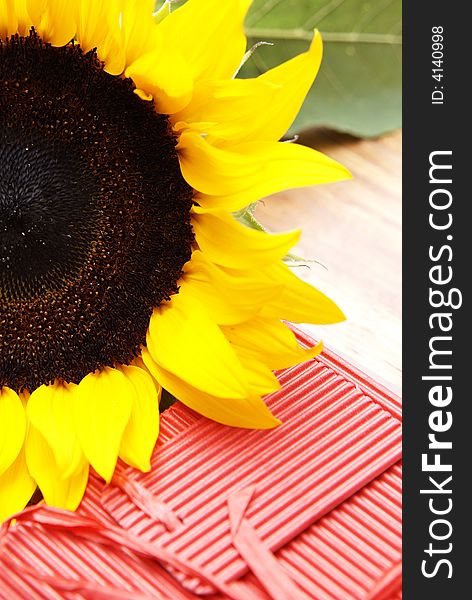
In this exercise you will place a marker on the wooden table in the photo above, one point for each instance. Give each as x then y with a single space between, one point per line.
353 229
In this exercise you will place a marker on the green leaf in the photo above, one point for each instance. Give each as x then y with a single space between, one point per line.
358 88
161 11
246 217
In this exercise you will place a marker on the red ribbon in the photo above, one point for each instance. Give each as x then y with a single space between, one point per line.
149 503
91 530
256 554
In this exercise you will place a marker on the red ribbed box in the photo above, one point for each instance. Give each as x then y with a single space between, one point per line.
319 503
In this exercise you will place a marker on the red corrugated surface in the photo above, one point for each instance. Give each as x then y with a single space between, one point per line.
340 433
351 550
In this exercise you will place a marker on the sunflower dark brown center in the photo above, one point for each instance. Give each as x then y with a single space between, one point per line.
94 215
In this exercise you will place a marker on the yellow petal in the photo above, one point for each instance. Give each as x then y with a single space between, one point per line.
57 491
12 427
139 32
92 23
260 109
24 20
248 412
225 108
227 242
211 170
102 411
230 203
14 18
138 362
261 379
157 67
229 298
163 75
140 435
16 487
98 27
210 34
269 341
50 410
53 20
184 340
254 169
299 302
292 81
217 301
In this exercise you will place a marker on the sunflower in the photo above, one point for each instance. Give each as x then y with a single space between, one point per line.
126 146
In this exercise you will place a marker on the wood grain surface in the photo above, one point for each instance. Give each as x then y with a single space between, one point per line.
353 229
